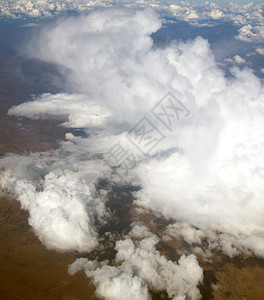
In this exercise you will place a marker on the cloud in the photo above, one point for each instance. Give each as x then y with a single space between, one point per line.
139 231
68 107
249 33
61 205
260 50
183 11
216 14
239 60
215 183
190 234
102 65
142 269
206 172
236 60
195 13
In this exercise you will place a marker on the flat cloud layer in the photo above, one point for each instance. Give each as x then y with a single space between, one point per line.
206 173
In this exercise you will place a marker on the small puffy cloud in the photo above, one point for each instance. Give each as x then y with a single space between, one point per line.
69 136
183 11
236 60
142 269
190 234
139 231
239 60
249 33
260 50
216 14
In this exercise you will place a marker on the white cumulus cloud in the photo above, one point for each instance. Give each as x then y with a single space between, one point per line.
142 269
207 172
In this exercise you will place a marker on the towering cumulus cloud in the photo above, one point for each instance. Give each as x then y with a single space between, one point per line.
206 173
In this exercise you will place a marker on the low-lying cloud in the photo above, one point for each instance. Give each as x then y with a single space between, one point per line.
142 269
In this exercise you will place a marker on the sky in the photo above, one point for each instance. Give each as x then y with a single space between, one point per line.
179 125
